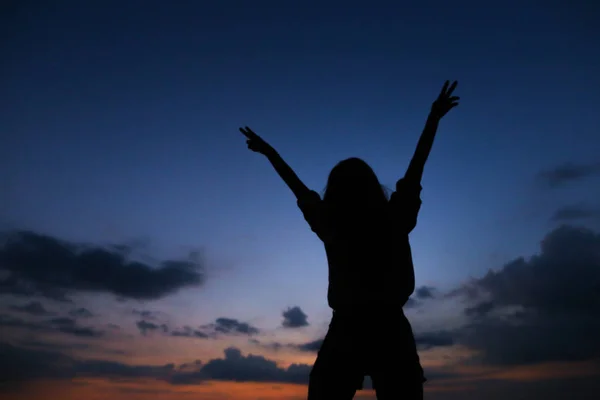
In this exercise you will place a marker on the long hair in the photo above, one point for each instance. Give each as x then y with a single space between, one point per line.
353 196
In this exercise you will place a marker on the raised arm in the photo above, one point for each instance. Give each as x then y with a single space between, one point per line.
444 103
257 144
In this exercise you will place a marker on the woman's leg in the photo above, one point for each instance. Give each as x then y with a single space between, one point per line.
388 387
395 366
336 374
329 380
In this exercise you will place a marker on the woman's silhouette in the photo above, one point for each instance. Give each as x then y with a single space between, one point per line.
371 273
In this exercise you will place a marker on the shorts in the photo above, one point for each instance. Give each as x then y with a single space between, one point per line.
355 347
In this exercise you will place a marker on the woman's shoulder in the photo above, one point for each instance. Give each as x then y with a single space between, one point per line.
309 198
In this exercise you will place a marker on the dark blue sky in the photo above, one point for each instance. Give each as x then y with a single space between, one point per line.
119 123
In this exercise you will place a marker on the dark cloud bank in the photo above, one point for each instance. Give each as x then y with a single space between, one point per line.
540 309
33 264
20 365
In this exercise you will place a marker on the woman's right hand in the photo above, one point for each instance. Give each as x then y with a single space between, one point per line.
445 101
256 143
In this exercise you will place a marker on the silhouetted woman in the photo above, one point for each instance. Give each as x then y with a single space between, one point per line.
371 274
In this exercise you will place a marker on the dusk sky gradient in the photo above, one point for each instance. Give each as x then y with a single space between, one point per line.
119 126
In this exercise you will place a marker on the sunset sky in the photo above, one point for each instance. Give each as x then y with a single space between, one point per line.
146 253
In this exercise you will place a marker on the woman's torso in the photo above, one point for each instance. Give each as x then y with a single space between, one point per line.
371 268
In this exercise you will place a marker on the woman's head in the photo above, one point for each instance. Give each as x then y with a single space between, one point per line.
353 187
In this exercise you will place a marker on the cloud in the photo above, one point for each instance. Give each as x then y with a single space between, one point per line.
420 295
147 314
47 345
428 340
63 325
480 309
230 326
113 369
411 303
274 346
239 368
574 212
190 332
7 321
13 285
311 347
425 292
81 313
68 346
221 326
424 341
542 309
294 317
566 173
146 327
565 275
192 366
33 308
21 365
43 265
69 326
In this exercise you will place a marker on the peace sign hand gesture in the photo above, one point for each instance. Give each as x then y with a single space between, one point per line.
445 101
256 143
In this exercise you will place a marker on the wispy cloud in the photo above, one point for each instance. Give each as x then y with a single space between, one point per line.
189 332
33 308
63 325
574 212
231 326
81 313
221 327
567 173
146 327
